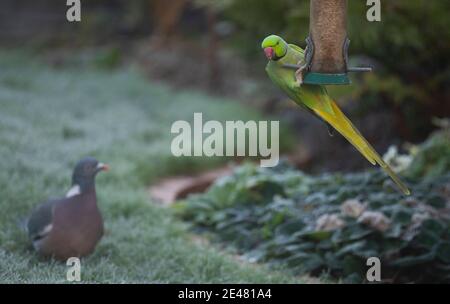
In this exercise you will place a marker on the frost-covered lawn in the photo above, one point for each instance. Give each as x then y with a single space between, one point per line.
50 118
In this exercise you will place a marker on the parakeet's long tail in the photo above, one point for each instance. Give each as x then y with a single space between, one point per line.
344 126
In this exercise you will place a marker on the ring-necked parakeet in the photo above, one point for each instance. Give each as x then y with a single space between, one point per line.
315 99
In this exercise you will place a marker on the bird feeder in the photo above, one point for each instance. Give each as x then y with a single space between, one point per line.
326 57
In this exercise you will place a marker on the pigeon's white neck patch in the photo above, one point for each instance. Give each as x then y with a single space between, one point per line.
75 190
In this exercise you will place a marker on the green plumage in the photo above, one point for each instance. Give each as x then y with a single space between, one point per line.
316 100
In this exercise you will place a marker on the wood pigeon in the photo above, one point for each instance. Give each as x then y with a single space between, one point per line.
70 226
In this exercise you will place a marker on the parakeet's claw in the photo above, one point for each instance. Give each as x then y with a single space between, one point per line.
305 64
299 76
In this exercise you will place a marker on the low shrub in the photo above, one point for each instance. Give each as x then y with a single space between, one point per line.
332 223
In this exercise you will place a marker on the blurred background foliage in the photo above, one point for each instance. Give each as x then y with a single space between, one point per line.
221 39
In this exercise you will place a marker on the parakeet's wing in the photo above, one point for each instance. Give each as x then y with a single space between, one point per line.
286 80
297 48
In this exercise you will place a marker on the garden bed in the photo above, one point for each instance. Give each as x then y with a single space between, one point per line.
332 223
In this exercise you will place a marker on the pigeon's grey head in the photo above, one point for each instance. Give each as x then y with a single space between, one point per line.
85 171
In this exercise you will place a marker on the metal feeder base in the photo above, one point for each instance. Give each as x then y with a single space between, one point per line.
325 79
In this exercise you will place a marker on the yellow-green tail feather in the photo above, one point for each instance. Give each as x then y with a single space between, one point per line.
345 127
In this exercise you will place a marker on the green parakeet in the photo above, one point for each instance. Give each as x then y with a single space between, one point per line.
315 99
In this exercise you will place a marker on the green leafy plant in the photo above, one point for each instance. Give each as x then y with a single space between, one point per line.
332 223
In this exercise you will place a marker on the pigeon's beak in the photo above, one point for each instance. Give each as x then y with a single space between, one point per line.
102 167
269 53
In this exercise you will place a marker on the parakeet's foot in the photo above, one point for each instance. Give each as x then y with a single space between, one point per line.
300 73
299 76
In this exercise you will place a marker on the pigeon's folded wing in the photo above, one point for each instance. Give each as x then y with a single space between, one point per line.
40 221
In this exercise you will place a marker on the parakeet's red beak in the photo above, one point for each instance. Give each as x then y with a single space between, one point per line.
269 53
